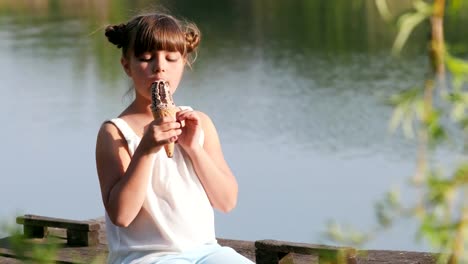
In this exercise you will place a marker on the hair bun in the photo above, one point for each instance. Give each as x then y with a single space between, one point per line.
192 38
116 34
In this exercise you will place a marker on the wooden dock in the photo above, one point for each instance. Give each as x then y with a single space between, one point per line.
85 242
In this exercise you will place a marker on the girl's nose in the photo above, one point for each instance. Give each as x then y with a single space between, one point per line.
158 68
159 65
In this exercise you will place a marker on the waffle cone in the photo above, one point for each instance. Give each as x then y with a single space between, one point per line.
169 148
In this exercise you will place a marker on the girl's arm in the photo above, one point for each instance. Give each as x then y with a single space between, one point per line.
208 160
124 179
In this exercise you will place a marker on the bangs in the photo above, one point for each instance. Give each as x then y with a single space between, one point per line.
158 33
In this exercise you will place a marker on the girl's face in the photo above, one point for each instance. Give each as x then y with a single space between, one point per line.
152 66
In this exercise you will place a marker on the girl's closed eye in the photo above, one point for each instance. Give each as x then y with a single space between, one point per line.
173 58
145 57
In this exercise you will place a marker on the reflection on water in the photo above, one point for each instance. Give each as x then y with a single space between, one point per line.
296 89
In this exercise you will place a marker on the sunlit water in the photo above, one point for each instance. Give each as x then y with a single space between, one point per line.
306 133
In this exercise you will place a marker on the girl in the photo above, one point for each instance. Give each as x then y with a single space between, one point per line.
160 209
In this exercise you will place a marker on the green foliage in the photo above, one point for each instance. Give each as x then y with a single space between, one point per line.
346 234
409 112
388 208
29 251
407 22
409 106
40 250
454 6
458 67
432 111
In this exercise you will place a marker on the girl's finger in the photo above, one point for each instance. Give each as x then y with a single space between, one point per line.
182 113
164 119
168 126
191 118
188 115
168 136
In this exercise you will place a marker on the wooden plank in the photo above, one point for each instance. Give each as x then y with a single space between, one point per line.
268 251
288 259
272 251
34 231
79 233
295 258
35 220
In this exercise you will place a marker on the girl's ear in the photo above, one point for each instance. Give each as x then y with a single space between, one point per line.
126 65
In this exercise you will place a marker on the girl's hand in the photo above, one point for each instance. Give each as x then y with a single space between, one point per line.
160 132
191 130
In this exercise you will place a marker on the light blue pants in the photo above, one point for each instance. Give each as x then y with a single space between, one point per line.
207 254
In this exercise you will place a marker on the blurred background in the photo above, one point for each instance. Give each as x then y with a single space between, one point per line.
297 91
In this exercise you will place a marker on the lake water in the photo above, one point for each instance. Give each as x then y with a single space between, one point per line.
296 90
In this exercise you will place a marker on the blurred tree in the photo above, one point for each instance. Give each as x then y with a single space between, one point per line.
437 111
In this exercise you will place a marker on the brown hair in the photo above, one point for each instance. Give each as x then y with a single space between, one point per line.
155 31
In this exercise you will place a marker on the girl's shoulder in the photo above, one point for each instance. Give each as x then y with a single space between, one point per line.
207 125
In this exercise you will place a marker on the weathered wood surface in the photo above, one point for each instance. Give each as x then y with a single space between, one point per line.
79 233
272 251
283 252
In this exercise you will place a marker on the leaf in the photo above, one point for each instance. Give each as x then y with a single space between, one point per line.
458 111
459 70
422 7
383 9
454 5
408 22
384 217
461 174
407 126
456 65
408 107
438 235
393 199
439 190
396 118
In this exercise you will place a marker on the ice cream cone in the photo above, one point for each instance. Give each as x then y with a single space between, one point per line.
162 105
169 148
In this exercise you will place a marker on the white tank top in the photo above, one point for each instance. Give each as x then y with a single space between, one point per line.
176 214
